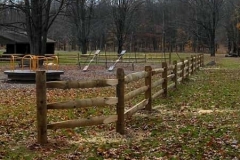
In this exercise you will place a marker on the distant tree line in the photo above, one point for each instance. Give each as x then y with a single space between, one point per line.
134 25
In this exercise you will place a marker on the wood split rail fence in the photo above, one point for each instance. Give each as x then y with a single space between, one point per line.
170 77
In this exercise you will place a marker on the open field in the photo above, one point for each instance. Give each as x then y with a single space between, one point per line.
74 57
199 120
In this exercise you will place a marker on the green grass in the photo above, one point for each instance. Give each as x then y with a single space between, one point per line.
73 57
199 120
76 58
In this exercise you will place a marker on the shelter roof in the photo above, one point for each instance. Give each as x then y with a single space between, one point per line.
7 37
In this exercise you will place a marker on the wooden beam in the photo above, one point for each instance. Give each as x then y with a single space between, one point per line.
170 76
135 108
135 92
82 84
83 122
99 101
175 73
157 94
135 76
172 85
157 83
157 71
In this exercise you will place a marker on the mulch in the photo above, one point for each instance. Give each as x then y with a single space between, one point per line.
73 72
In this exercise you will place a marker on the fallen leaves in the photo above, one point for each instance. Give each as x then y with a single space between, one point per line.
200 120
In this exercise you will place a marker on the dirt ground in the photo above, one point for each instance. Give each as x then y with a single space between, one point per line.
75 72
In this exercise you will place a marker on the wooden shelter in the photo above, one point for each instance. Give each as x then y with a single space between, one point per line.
18 43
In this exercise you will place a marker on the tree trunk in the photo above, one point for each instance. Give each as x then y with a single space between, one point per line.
212 43
120 45
84 47
44 43
212 32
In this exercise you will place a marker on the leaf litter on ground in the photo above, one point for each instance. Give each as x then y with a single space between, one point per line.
199 120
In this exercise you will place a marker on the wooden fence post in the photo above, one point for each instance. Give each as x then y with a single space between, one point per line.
41 107
183 71
195 63
200 57
148 82
175 70
188 70
192 61
202 60
120 105
164 76
199 62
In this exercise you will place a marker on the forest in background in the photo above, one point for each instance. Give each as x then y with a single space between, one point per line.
134 25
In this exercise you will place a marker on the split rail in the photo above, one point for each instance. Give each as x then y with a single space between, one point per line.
170 77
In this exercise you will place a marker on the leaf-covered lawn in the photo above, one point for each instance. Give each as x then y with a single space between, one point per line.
199 120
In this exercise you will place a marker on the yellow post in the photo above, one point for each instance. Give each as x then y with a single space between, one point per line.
34 63
12 62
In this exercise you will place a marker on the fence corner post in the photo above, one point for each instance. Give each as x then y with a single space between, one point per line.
41 107
164 76
120 105
148 82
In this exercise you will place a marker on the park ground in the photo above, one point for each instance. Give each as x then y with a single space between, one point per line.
199 120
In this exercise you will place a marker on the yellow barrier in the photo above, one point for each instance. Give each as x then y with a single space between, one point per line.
54 62
26 58
12 61
33 61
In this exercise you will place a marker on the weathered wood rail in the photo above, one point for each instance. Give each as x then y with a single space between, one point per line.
170 77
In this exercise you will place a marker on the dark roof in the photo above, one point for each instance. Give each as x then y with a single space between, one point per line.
14 37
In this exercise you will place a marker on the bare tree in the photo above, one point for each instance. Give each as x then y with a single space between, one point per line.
62 33
207 15
39 15
81 13
141 22
100 24
39 18
231 24
123 12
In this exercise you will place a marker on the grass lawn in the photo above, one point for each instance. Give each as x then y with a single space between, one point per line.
75 57
199 120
